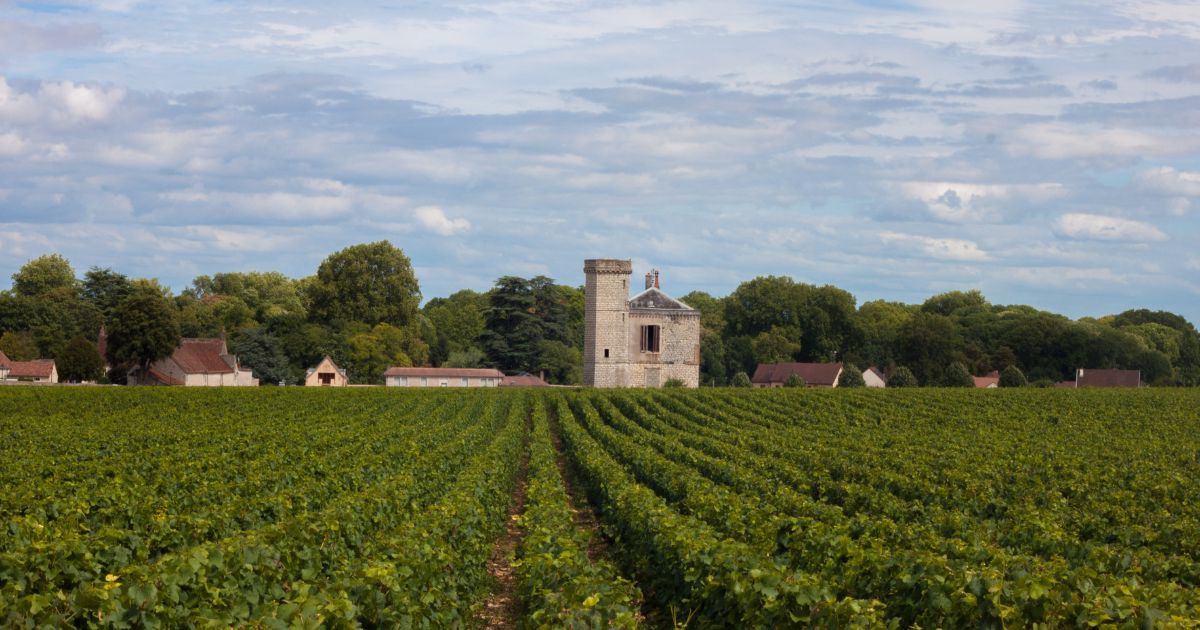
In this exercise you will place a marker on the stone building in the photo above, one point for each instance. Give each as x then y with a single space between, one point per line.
326 374
642 341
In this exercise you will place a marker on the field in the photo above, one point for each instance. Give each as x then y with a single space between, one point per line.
713 508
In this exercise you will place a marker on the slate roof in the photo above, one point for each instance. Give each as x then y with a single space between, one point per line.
814 374
1108 378
433 372
202 356
654 299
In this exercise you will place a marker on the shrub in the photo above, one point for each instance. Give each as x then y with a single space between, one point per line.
794 381
851 377
673 383
957 375
740 380
902 377
1012 376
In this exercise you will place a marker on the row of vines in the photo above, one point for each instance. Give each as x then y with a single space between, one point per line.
720 508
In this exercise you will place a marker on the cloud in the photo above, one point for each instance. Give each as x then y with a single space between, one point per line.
1169 181
22 38
61 102
953 249
1095 227
1056 141
436 221
1189 73
950 201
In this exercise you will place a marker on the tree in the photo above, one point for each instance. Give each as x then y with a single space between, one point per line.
794 380
457 321
371 283
740 380
43 274
79 361
851 376
19 346
929 342
105 289
712 359
777 345
957 375
902 377
260 351
520 315
562 364
368 352
469 358
144 328
822 318
1012 376
955 302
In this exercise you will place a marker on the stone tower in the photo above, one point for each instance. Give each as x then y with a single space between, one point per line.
605 333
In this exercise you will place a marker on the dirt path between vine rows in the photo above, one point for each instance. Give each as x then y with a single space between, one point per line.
500 611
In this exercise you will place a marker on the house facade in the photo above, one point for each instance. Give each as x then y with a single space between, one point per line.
873 377
326 374
441 377
643 341
203 362
813 374
36 371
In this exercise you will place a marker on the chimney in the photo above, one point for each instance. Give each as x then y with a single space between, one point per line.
656 280
649 279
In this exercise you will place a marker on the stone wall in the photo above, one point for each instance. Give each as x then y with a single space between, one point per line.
679 357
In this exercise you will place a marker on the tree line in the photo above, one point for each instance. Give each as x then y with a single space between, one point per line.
363 308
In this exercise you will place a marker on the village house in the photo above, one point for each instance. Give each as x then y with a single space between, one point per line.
873 377
204 362
813 374
36 371
326 374
441 377
643 341
1106 378
988 381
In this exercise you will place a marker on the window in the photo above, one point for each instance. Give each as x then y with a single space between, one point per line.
650 338
606 353
463 381
326 378
424 381
402 380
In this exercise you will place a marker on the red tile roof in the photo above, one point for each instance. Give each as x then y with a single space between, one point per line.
202 356
1108 378
814 374
444 372
3 359
983 382
523 380
38 368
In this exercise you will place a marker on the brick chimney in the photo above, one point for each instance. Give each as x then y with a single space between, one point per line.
656 280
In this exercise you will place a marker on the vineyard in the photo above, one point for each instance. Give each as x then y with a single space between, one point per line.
285 508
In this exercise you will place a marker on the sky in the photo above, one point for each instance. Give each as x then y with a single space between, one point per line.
1045 153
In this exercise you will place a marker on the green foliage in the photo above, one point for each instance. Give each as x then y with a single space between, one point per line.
902 377
957 375
955 303
559 585
740 380
470 357
1012 376
144 328
712 359
821 319
794 380
260 351
562 364
929 343
19 346
777 345
264 295
851 376
43 275
369 352
521 314
79 361
105 289
371 283
457 321
673 383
